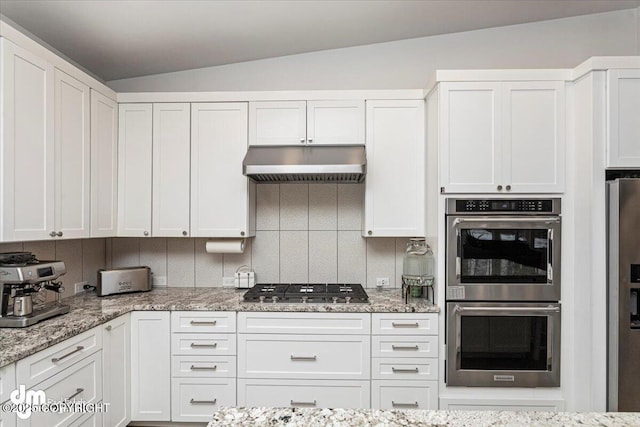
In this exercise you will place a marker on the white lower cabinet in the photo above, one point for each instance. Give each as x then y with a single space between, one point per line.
400 394
404 367
324 361
7 385
203 364
91 420
116 362
150 366
303 393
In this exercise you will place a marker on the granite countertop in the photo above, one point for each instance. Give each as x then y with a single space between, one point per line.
88 311
308 417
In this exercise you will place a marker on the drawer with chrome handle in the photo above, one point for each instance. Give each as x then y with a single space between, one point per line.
36 368
195 399
203 366
203 321
404 324
404 346
406 368
402 394
203 344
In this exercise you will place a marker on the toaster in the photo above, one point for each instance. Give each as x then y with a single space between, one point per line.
123 280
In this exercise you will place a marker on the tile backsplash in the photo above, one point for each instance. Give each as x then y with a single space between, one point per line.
304 233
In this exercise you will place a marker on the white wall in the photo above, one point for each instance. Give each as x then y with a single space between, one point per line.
406 64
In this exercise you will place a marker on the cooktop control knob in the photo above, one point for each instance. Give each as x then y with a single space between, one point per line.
347 299
335 300
261 298
274 298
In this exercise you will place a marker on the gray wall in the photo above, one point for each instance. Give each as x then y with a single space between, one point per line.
407 64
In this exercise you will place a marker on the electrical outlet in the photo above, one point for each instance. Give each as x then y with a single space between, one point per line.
382 282
159 280
79 287
228 281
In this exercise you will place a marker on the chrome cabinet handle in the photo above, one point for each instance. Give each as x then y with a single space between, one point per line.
57 359
532 219
242 233
509 309
59 233
294 403
53 234
411 371
108 327
146 233
301 140
508 188
194 345
310 140
404 325
203 402
309 358
184 233
369 232
499 187
404 347
404 405
203 323
203 368
78 391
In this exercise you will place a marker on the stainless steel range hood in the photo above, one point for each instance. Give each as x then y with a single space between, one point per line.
346 164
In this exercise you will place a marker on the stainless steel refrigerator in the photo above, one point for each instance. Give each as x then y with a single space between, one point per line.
624 290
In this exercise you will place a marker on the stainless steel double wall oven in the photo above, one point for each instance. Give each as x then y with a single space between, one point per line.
503 292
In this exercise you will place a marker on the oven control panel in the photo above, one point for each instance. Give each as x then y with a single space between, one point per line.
504 205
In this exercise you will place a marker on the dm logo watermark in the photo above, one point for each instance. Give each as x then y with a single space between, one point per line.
26 402
27 399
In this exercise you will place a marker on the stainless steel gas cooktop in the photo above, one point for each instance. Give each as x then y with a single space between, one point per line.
337 293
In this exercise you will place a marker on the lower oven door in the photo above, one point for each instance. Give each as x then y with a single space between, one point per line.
503 344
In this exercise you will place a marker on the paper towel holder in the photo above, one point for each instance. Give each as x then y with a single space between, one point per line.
244 277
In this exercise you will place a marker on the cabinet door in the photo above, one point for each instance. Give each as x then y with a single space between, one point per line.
395 184
623 111
27 145
104 165
335 122
470 137
533 137
116 361
171 158
134 170
150 366
221 197
72 157
277 123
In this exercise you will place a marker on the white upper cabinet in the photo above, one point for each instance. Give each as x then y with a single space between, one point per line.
396 159
222 199
72 157
104 165
306 122
623 119
501 137
171 159
134 169
27 131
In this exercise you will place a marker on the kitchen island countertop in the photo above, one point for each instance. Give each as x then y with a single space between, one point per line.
88 311
309 417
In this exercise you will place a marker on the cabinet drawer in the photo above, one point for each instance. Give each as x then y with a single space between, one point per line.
304 393
203 321
404 394
304 323
48 362
304 356
203 366
417 368
195 399
405 324
81 381
203 344
7 381
404 346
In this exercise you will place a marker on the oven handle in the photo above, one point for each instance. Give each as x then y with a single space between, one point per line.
527 309
543 219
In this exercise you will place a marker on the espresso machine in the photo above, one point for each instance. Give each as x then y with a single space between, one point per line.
22 276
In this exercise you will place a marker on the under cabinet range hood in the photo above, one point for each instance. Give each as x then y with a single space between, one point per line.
344 164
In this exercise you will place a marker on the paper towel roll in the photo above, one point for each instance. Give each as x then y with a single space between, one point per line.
225 246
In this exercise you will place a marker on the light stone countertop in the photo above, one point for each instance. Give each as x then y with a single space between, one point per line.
308 417
88 311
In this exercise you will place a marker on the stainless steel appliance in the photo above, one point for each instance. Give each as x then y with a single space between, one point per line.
503 292
21 276
307 293
345 164
503 344
123 280
503 249
624 290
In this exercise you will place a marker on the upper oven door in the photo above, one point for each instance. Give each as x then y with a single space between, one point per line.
503 258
